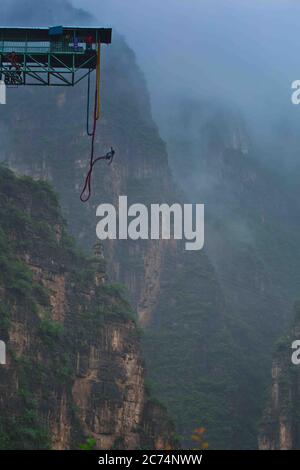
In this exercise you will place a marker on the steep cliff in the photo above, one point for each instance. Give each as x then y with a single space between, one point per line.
252 229
199 332
74 367
252 219
280 425
177 295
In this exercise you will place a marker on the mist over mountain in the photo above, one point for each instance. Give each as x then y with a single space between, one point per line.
219 76
41 13
241 54
230 53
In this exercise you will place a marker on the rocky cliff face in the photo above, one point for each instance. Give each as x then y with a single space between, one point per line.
53 146
252 229
74 367
253 221
177 294
280 425
187 302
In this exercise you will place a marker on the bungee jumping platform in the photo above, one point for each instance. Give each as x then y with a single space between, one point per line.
54 56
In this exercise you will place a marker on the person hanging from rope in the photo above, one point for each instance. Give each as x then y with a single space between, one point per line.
88 180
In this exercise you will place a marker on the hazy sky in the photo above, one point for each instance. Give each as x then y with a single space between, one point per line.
202 39
245 52
242 52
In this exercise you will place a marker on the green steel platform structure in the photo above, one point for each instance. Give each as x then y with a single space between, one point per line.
55 56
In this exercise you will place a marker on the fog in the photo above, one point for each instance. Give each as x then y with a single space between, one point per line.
41 13
240 53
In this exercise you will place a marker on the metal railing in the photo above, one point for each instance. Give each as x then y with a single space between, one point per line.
41 48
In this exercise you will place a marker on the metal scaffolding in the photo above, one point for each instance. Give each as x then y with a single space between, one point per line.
57 56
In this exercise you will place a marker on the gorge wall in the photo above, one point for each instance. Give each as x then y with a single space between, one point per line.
205 314
194 345
74 365
280 424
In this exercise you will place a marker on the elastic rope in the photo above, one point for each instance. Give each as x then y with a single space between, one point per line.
98 81
88 106
109 155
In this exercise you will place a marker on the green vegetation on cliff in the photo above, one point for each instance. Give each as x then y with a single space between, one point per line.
70 334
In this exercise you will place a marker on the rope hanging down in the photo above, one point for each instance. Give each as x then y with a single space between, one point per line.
88 106
86 192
